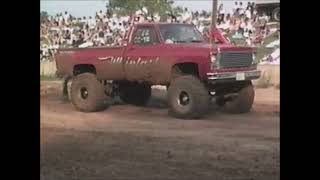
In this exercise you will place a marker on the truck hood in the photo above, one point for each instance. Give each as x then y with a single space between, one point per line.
213 48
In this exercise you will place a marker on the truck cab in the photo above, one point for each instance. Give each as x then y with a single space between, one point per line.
170 45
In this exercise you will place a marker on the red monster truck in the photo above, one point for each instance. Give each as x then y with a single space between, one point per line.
174 55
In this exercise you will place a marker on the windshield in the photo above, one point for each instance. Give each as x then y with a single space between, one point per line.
173 33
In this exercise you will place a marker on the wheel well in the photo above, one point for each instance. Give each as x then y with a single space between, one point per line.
83 68
187 68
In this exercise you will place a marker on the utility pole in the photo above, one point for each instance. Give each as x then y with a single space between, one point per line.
214 13
216 34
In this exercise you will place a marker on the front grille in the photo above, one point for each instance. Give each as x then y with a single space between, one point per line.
235 60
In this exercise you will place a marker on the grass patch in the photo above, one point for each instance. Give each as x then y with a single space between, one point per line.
272 37
263 50
48 78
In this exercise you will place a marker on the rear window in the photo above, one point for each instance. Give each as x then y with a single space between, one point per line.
145 36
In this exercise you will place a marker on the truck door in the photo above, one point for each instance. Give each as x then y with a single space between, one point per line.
143 54
109 63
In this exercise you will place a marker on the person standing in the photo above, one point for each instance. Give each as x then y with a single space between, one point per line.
92 23
221 12
235 7
241 9
100 14
248 13
66 16
252 7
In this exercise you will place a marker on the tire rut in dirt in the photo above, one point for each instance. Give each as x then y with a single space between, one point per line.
87 93
198 98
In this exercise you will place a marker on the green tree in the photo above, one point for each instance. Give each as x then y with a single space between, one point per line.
43 16
129 7
177 11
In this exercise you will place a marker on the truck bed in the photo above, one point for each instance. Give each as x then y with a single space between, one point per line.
100 47
68 58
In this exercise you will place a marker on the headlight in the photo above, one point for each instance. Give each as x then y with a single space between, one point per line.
254 59
213 58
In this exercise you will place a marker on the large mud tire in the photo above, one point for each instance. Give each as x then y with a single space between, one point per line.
188 98
87 93
276 14
242 103
135 93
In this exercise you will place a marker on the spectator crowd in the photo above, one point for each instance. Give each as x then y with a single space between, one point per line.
108 29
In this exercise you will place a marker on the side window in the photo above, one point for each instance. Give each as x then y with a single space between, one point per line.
145 36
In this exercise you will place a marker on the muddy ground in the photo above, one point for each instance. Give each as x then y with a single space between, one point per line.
128 142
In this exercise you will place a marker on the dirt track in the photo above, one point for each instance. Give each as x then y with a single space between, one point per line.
128 142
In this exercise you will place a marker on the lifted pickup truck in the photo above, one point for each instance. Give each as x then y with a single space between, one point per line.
175 55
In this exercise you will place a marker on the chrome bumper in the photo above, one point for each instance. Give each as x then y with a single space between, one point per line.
246 75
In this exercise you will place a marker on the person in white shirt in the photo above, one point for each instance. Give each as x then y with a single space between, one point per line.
74 21
195 22
255 12
144 11
66 16
221 10
108 33
60 19
235 7
91 23
121 28
84 20
263 19
105 19
201 28
169 41
227 22
248 28
242 26
100 14
241 10
186 15
56 18
156 17
266 17
248 13
112 25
